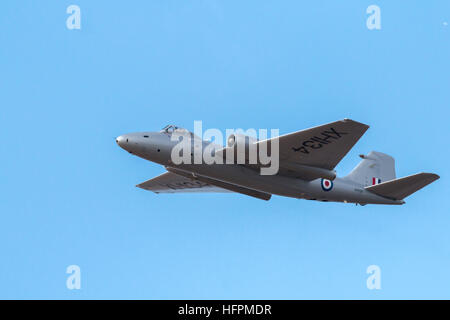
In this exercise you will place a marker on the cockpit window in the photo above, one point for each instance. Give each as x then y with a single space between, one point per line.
169 129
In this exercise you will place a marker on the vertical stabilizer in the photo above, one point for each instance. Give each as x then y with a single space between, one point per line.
375 168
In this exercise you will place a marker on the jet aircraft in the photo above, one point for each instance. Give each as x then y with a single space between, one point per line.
307 159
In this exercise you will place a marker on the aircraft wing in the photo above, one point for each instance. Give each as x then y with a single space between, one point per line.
178 181
321 147
173 183
225 185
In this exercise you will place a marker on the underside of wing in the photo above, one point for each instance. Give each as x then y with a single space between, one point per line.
320 147
170 182
225 185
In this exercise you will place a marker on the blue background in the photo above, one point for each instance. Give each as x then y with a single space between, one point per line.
67 190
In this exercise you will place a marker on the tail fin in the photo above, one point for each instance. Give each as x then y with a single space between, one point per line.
399 189
375 168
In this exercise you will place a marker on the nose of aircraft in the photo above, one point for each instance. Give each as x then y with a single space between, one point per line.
121 141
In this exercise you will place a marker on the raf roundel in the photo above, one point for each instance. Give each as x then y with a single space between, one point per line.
327 185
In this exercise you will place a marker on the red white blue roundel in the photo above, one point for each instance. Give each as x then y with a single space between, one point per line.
327 185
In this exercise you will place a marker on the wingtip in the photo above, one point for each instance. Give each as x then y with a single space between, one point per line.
431 175
357 122
435 176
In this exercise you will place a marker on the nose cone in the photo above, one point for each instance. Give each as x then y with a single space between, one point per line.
134 143
121 141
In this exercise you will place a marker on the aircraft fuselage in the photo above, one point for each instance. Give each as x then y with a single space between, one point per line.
157 147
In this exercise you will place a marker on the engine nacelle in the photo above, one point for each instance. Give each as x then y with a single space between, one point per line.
245 149
240 139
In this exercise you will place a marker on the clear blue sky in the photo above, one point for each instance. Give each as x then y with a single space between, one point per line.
67 190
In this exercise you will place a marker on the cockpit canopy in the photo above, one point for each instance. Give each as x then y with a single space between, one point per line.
171 128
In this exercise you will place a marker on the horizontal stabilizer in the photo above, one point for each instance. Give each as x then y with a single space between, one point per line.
399 189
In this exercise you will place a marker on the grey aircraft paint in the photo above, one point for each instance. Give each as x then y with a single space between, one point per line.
315 152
